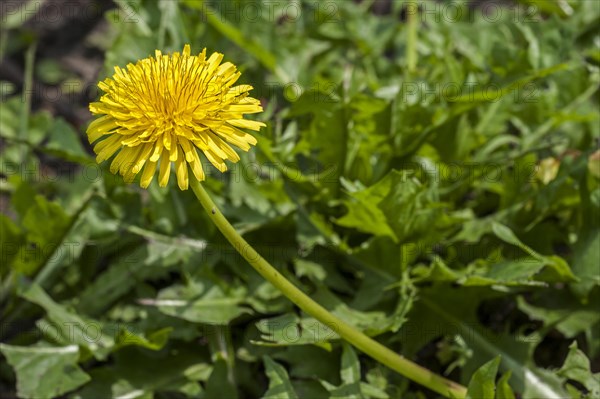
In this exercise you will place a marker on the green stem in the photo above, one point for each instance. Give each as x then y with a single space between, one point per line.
349 333
27 92
412 24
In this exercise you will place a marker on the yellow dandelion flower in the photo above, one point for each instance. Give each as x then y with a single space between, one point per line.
164 108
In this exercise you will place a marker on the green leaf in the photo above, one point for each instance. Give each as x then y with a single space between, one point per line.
556 264
64 142
561 310
100 339
141 374
398 206
69 326
577 368
446 311
350 371
45 371
364 215
350 376
11 240
371 322
327 124
115 282
201 304
46 224
493 94
37 125
154 341
587 248
280 386
503 390
585 262
219 385
352 386
560 8
483 382
23 198
288 329
230 31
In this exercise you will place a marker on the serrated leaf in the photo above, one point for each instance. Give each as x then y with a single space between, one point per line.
554 263
44 371
99 339
561 310
69 326
446 311
398 207
577 368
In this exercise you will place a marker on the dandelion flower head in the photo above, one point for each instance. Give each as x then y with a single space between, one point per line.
165 108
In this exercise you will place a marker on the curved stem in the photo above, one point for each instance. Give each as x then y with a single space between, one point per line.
349 333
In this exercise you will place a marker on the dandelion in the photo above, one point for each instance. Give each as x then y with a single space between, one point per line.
162 110
165 108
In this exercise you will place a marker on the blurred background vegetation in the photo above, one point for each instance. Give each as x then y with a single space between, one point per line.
451 208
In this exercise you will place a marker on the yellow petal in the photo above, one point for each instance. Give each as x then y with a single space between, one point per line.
196 166
182 173
245 108
142 158
213 145
246 124
174 153
215 160
165 169
106 148
128 168
167 140
213 63
148 174
224 149
158 148
236 137
100 126
187 148
226 69
122 158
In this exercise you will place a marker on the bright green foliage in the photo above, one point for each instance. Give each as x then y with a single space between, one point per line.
452 213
